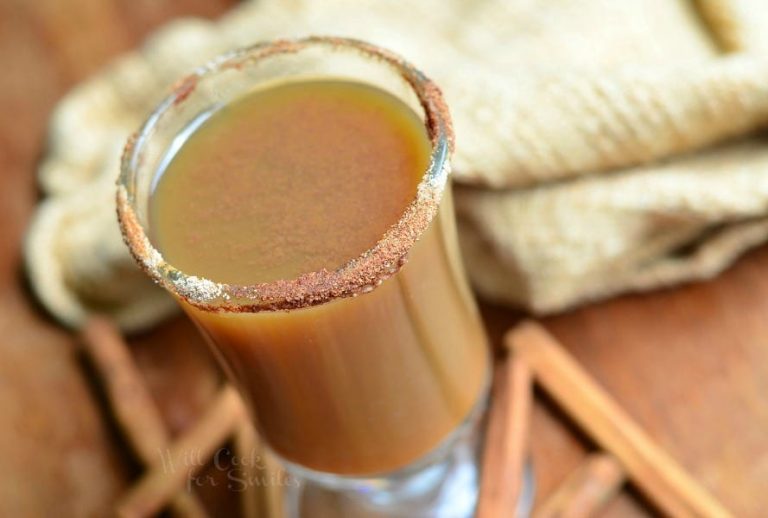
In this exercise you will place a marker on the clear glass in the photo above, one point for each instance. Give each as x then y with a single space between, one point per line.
370 381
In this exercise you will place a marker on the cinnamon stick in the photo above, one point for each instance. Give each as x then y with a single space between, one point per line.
277 478
264 498
164 479
651 469
506 441
586 490
249 451
131 403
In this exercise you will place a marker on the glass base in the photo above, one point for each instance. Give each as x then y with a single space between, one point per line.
445 485
454 500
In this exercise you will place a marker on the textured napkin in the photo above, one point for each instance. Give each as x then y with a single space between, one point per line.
602 146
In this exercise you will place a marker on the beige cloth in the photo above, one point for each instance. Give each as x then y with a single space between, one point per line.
603 146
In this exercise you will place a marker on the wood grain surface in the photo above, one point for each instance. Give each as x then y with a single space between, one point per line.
689 364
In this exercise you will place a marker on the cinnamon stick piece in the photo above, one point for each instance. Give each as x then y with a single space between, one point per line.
651 469
131 403
264 498
506 443
277 479
164 479
586 490
249 452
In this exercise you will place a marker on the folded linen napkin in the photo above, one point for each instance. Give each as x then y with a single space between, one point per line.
602 146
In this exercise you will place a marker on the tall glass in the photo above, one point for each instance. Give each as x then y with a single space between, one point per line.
369 381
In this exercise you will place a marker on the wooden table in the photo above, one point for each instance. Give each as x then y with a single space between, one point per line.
690 364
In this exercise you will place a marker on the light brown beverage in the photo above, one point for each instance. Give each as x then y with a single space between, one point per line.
301 177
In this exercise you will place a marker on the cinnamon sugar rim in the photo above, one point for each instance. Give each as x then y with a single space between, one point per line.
359 275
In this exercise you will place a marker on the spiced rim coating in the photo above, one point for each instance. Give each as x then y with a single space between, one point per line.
361 274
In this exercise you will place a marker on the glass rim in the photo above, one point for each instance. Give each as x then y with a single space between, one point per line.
358 275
